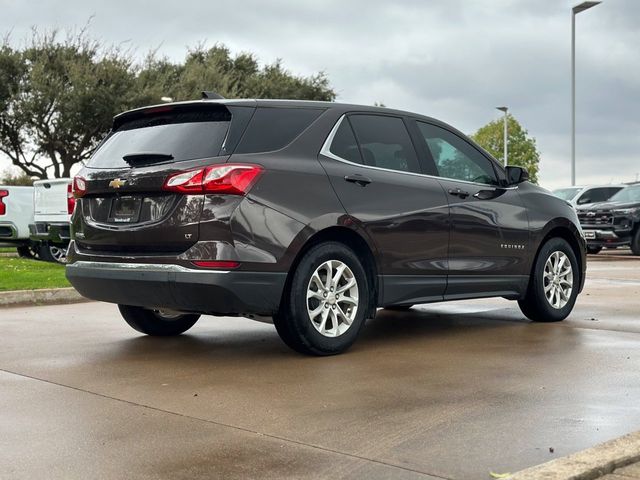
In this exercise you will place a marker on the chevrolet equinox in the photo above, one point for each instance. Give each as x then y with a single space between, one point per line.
310 215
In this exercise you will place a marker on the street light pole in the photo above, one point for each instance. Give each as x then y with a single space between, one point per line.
506 136
574 11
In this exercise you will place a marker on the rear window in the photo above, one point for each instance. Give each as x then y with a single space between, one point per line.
183 133
385 142
275 128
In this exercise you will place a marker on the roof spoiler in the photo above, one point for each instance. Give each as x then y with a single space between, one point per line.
211 96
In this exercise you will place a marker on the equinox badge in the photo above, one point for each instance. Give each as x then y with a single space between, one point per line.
117 183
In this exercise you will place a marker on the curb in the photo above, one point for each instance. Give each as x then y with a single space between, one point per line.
588 464
45 296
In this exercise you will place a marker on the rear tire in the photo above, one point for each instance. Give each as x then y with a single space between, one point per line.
553 287
594 250
53 253
324 307
155 322
635 243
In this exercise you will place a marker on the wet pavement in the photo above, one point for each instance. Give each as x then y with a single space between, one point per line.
450 390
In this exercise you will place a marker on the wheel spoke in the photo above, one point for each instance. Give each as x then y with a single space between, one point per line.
338 274
344 317
315 278
314 313
345 299
329 277
314 294
323 320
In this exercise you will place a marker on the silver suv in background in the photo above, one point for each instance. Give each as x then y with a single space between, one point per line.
580 195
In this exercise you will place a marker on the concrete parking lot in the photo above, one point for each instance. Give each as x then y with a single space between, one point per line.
451 391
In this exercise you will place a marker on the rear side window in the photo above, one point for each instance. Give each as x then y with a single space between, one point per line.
385 142
182 133
344 143
274 128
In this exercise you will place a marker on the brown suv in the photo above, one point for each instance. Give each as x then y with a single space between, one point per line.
312 214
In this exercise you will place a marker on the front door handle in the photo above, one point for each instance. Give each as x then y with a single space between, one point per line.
358 179
458 193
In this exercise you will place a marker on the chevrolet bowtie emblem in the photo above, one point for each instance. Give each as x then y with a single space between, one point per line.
117 183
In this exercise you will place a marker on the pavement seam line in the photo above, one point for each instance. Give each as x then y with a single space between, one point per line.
225 425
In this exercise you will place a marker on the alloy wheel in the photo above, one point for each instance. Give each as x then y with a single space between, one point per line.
558 279
332 298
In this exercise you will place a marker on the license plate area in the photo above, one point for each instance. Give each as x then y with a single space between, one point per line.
125 210
590 234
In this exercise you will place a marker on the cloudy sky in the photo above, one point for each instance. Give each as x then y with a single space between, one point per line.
451 59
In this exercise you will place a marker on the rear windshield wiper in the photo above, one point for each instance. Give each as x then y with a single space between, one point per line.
146 157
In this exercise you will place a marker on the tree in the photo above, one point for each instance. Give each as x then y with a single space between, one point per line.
217 70
21 179
58 97
522 149
57 100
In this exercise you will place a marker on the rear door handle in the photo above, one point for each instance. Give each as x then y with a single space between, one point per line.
458 193
359 179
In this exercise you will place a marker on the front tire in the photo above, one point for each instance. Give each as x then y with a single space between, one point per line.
594 250
553 287
325 304
157 322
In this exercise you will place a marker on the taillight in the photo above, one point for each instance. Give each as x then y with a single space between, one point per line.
71 200
227 178
3 207
79 187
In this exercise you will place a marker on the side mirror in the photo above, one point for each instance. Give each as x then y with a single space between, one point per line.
516 175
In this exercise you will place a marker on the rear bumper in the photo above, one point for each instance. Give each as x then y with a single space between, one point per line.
8 231
50 232
179 288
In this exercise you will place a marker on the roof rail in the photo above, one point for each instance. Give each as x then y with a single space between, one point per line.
211 95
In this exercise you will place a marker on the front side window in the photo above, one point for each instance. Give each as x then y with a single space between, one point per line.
385 142
455 158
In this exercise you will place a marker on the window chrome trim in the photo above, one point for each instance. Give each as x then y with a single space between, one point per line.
325 150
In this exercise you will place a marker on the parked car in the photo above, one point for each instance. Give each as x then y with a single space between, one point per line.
586 195
53 204
311 214
614 223
16 212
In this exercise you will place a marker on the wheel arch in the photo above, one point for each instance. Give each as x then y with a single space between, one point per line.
351 239
571 235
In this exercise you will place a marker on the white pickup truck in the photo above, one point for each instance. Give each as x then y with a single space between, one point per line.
53 206
16 213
